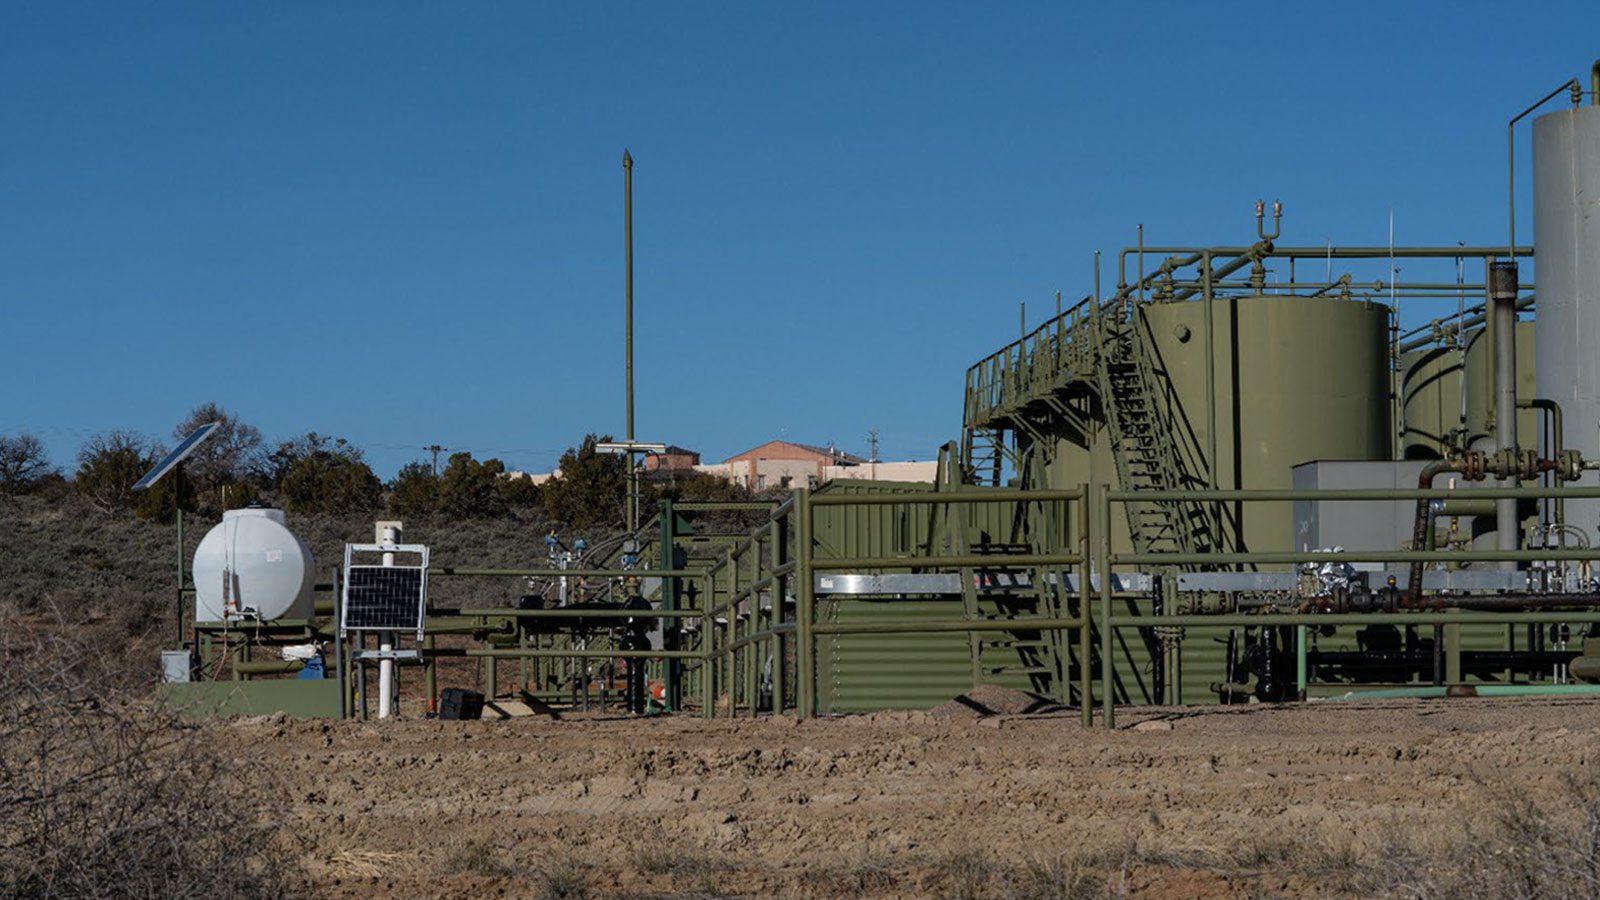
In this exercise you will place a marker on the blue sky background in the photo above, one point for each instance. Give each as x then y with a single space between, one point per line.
402 223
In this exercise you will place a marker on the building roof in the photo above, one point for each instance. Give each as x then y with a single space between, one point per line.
775 449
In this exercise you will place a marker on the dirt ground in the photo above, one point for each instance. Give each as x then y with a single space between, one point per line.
1217 802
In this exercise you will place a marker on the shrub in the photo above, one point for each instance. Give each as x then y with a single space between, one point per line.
108 466
22 463
106 797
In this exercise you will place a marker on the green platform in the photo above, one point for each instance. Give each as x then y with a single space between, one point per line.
300 698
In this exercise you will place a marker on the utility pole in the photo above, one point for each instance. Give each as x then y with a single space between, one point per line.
435 449
872 441
633 469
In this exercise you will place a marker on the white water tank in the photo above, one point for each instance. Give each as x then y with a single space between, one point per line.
252 566
1566 234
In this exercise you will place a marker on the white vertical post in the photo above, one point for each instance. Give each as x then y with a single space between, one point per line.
386 680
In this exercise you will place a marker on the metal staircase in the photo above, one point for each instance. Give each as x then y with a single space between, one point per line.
1001 591
984 454
1145 447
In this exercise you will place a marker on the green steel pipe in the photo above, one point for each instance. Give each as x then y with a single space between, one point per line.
941 626
1353 494
1300 661
722 505
569 613
1422 531
436 571
1405 556
1552 410
961 561
467 628
1439 617
943 497
1576 90
1277 252
1433 328
1210 275
430 674
806 642
268 667
1466 506
1481 690
537 653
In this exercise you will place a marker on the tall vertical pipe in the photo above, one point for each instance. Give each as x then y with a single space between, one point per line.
627 202
1503 294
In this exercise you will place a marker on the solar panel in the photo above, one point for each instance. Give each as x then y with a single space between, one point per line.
178 455
384 598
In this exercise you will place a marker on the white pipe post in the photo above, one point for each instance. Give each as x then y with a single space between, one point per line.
386 681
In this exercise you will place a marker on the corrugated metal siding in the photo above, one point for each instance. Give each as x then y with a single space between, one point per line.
866 672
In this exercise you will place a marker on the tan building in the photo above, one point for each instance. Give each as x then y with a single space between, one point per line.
675 459
785 464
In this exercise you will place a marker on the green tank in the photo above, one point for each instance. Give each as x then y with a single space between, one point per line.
1431 404
1295 378
1478 383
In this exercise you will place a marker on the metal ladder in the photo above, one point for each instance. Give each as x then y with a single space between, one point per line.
984 455
1011 591
1145 447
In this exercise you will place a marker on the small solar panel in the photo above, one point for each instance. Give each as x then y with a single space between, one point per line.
384 598
178 455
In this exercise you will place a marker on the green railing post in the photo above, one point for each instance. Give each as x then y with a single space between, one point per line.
1107 679
1300 661
780 590
709 649
805 641
1085 601
671 632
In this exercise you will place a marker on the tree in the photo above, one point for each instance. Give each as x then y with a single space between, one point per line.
469 489
414 491
316 473
230 456
701 486
591 489
110 463
520 492
22 463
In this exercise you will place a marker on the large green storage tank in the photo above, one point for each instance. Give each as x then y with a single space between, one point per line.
1296 379
1431 402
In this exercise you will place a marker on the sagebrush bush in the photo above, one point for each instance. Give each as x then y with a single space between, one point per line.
102 796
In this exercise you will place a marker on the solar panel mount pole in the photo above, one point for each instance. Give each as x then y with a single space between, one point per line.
177 609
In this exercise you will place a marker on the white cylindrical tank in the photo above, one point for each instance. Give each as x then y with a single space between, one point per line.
1566 232
252 566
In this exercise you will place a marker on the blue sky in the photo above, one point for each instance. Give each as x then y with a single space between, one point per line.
402 223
